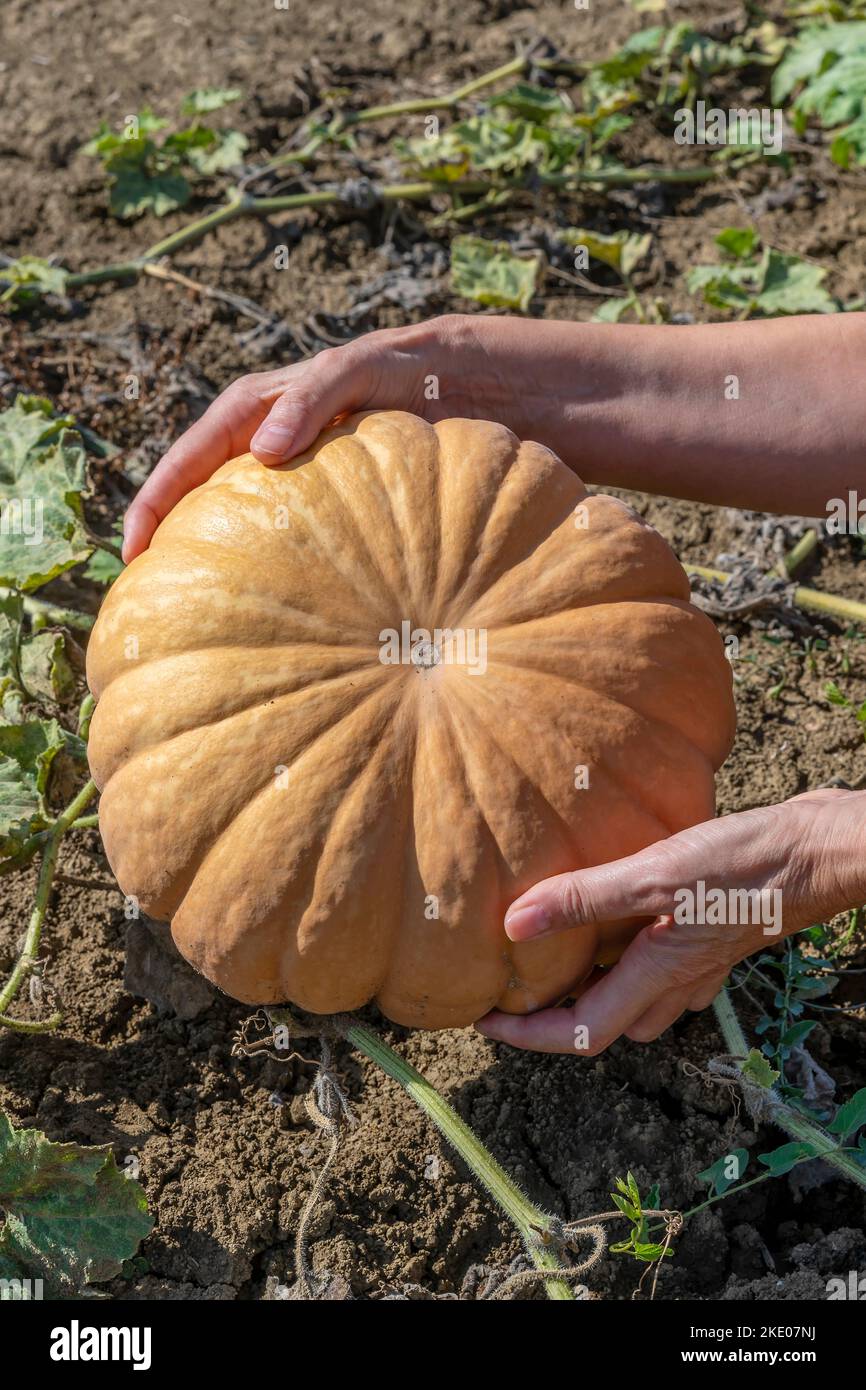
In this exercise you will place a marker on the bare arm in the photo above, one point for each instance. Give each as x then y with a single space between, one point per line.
769 414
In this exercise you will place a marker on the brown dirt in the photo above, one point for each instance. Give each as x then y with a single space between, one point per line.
226 1154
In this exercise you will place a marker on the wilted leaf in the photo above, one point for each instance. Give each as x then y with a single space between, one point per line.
636 53
72 1217
26 754
42 475
489 273
45 669
205 99
622 251
29 277
11 617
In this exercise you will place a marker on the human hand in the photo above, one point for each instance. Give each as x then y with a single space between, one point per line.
804 856
278 414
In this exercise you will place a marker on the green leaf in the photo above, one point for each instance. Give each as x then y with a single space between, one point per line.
828 64
835 696
777 284
851 1116
205 99
45 669
717 1175
135 191
635 54
26 754
626 1207
739 242
30 277
793 286
758 1070
793 1036
849 144
612 310
107 141
783 1159
224 152
42 475
72 1217
181 143
11 618
534 103
489 273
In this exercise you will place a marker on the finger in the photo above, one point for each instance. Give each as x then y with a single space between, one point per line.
705 991
550 1030
600 1015
672 1005
643 884
223 431
334 382
659 1016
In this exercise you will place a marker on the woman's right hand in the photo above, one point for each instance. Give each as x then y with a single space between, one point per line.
278 414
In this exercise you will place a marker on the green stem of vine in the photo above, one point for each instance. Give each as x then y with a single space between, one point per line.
421 191
529 1219
790 1121
30 949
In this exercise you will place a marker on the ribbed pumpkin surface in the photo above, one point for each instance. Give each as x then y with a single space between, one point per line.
327 828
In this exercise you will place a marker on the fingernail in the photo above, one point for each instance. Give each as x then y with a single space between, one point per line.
272 439
526 922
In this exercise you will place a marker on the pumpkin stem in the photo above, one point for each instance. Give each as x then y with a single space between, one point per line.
537 1228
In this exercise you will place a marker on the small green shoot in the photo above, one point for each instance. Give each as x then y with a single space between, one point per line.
628 1199
150 175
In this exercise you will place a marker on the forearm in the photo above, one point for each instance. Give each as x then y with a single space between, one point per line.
657 409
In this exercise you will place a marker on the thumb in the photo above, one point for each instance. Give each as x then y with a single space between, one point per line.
640 885
330 384
334 382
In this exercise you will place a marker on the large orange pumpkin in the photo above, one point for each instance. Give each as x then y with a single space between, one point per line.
335 802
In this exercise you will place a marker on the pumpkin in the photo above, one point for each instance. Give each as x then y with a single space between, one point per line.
351 707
